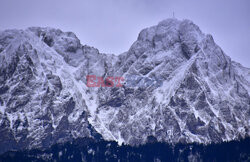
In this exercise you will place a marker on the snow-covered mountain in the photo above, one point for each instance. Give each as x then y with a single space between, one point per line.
203 96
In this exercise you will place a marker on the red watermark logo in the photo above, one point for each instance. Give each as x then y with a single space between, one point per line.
130 81
94 81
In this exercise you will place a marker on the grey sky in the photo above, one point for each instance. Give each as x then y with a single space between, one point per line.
113 25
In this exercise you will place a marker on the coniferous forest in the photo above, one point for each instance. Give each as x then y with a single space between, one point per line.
87 149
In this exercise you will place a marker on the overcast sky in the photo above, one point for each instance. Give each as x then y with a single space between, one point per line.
113 25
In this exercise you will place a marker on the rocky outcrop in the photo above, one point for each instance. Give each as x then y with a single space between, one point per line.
179 86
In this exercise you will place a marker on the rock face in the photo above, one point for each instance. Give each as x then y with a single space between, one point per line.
200 95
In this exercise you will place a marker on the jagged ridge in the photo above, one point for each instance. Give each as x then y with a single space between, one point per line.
44 98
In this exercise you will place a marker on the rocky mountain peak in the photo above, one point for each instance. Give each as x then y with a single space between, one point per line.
169 33
203 96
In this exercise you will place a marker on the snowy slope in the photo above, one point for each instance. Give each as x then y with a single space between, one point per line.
204 96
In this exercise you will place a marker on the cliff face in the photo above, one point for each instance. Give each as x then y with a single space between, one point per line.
178 86
203 97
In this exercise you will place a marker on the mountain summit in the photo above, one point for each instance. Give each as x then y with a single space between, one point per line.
201 94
